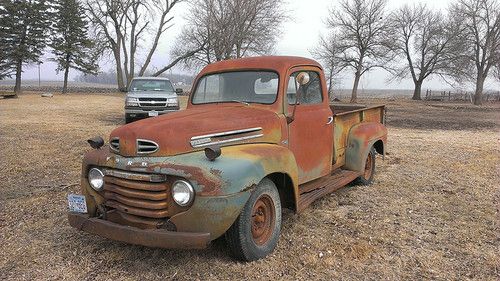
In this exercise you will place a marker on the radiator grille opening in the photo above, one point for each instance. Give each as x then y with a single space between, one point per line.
114 144
146 146
140 199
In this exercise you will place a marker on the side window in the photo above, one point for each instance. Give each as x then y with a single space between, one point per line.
208 89
310 93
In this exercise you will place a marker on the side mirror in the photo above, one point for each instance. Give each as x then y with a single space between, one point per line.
302 78
178 91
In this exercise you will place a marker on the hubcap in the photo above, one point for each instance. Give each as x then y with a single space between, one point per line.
263 220
368 167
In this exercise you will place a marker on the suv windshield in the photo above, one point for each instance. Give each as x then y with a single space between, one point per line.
151 85
241 86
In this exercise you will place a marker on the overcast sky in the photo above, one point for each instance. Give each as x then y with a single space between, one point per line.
299 36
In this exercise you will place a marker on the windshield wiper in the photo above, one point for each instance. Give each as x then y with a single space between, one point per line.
242 102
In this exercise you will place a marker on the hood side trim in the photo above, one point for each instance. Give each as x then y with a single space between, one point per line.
196 145
221 134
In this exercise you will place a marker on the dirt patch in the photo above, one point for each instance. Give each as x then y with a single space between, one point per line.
432 212
442 116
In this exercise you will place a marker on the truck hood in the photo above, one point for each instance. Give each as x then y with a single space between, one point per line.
151 94
196 128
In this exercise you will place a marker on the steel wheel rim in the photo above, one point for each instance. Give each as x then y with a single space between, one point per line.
368 167
263 220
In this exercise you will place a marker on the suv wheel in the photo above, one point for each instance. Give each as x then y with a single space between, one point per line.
128 119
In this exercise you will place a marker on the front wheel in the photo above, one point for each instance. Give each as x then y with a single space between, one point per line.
367 177
256 231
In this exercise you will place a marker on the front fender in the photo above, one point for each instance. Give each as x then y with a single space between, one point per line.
240 169
360 140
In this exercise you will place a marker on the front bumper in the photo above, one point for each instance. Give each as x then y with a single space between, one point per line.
146 237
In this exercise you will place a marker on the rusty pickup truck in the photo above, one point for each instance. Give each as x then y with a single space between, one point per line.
258 135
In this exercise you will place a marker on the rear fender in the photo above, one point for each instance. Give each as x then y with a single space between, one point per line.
362 137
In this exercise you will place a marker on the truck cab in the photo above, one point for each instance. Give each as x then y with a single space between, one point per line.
258 135
150 97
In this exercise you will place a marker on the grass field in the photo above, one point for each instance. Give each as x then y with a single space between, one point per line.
432 212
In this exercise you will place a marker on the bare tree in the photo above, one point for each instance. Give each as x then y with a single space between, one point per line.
362 36
126 25
225 29
423 38
327 52
480 41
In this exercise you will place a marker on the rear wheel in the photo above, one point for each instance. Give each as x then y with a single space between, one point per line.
367 177
256 231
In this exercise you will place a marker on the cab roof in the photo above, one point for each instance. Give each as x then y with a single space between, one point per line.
276 63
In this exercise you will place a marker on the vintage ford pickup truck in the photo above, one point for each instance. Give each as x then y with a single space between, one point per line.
258 135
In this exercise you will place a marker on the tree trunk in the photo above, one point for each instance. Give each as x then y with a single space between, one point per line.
119 69
330 82
66 72
478 95
65 84
119 77
418 90
354 94
19 71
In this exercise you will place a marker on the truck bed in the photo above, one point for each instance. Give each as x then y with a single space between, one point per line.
347 115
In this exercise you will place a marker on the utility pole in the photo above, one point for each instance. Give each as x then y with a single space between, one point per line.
39 84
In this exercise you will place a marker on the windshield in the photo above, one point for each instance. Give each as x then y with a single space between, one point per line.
151 85
241 86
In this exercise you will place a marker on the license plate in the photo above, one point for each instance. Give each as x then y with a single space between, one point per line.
153 113
77 203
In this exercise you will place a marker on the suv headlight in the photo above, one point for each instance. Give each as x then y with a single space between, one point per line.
173 101
182 193
96 179
132 102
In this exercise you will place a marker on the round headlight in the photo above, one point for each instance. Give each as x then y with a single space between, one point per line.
182 192
96 179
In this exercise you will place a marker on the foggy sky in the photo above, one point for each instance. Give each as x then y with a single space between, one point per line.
299 36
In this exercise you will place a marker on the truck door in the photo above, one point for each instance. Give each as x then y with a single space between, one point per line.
310 134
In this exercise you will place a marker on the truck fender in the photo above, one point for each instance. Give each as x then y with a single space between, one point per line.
362 137
240 169
263 160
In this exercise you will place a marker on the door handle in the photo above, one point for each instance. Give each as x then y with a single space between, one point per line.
330 120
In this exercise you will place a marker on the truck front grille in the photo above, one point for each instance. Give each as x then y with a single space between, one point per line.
152 102
138 198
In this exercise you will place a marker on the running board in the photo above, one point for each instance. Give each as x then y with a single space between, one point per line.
315 189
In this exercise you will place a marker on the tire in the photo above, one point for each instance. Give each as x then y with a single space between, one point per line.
128 119
369 172
256 231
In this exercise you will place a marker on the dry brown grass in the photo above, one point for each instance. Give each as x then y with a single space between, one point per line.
431 214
